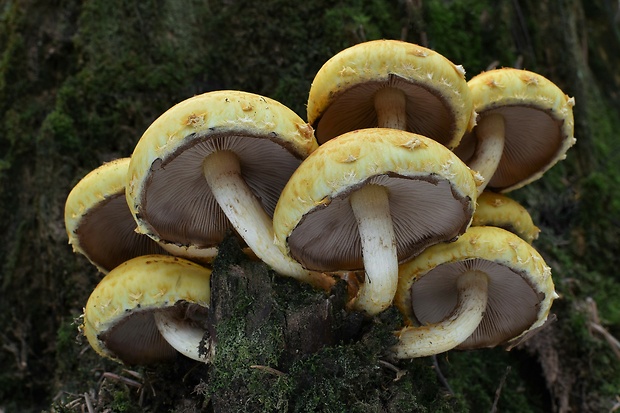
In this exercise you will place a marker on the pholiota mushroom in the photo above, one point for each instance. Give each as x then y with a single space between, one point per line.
524 127
98 221
216 162
147 309
485 289
390 84
498 210
370 199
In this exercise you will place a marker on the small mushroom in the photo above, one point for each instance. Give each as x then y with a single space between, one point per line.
215 162
147 309
98 221
485 289
498 210
524 127
370 199
391 84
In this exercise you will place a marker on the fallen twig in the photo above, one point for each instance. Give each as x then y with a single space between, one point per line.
440 375
595 324
124 380
399 372
268 369
89 404
498 392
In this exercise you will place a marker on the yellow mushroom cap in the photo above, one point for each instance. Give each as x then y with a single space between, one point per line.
539 124
431 194
98 221
501 211
520 287
438 100
118 317
167 192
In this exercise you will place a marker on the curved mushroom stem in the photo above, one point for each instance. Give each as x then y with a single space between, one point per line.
372 211
223 174
437 338
182 336
490 132
390 105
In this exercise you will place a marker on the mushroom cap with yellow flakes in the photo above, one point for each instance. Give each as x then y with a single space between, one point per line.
119 315
520 288
539 124
431 194
438 100
98 221
498 210
167 193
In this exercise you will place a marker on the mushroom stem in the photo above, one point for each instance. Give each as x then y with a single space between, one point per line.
183 337
371 208
391 108
222 172
443 336
490 132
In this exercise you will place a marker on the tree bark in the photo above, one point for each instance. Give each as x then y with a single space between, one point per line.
81 81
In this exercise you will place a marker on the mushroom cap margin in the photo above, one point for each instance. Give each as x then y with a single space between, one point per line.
498 210
97 185
487 243
223 112
145 283
104 187
380 60
510 87
328 171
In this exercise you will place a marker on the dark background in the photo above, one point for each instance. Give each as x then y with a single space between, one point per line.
81 80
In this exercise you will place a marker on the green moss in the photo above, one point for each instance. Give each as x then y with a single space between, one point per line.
348 379
136 60
83 89
16 113
592 354
12 46
252 370
358 21
249 340
471 33
59 128
510 381
359 377
237 353
121 402
294 42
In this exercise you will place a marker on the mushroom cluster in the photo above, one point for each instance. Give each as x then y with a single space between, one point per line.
385 180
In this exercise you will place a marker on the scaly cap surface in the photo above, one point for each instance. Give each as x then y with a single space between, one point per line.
207 121
98 221
538 118
137 287
98 185
501 211
343 164
503 249
439 102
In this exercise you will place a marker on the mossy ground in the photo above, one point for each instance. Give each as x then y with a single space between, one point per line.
79 83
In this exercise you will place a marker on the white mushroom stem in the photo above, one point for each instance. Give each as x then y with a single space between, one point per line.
437 338
391 108
371 208
182 336
490 133
246 214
